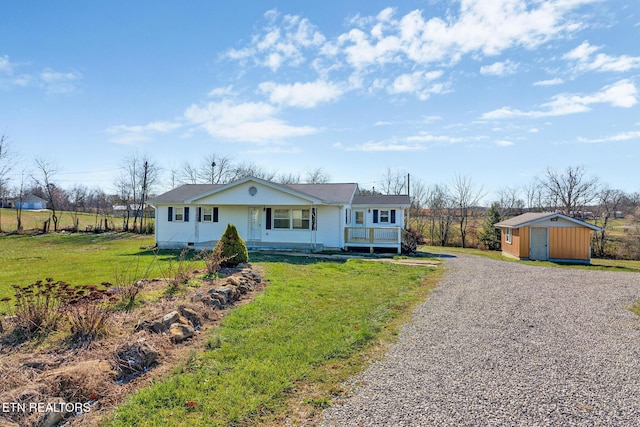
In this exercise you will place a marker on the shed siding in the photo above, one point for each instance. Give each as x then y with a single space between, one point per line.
569 243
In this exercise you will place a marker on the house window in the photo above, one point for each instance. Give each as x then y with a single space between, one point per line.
281 218
300 219
178 214
207 214
384 216
296 219
359 217
508 235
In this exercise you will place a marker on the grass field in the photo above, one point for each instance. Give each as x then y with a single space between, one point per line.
34 220
78 259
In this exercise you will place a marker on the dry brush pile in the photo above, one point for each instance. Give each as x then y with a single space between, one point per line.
69 354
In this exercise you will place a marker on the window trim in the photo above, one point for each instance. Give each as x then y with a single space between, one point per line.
178 214
295 219
508 235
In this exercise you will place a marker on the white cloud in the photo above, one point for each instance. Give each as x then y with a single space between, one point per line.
586 60
411 42
303 95
57 82
419 83
621 94
499 69
248 122
53 82
220 92
124 134
385 146
624 136
283 41
550 82
504 143
6 67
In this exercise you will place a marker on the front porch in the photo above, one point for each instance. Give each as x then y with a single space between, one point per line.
373 237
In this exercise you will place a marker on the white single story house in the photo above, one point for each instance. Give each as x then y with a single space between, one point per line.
279 216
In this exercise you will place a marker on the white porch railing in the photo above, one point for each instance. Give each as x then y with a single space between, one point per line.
370 236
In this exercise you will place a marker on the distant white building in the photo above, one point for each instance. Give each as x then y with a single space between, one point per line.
30 202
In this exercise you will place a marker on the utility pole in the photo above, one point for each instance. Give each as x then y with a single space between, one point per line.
408 194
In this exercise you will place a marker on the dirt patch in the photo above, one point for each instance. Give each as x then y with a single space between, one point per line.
50 382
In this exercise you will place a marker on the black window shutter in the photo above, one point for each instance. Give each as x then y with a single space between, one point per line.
314 219
170 217
199 214
268 218
215 214
393 216
375 216
186 214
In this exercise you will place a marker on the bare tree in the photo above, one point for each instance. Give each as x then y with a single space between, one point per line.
288 178
45 175
570 190
246 169
316 176
5 168
533 194
440 212
78 197
509 202
465 197
215 169
188 174
393 182
19 196
419 194
609 200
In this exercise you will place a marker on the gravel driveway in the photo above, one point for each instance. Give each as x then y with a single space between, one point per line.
507 344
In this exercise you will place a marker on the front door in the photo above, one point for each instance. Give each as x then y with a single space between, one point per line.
539 244
255 225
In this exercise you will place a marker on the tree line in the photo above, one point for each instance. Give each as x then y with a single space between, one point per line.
445 213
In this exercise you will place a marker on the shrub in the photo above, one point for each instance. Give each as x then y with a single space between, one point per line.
87 320
180 272
213 259
39 306
233 248
411 238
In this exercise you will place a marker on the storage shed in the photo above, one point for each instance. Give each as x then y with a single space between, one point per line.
547 237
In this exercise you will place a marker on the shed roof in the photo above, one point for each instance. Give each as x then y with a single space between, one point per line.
530 218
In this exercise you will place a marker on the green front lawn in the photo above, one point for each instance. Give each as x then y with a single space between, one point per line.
306 331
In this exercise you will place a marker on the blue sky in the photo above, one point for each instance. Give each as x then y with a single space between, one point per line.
497 90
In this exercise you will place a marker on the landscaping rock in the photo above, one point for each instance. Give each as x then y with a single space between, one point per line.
180 332
170 318
155 327
191 316
51 419
134 359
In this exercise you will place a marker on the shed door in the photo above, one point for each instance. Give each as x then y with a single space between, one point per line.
539 244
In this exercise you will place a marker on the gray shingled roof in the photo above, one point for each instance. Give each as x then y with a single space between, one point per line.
335 193
184 192
329 193
529 218
380 199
